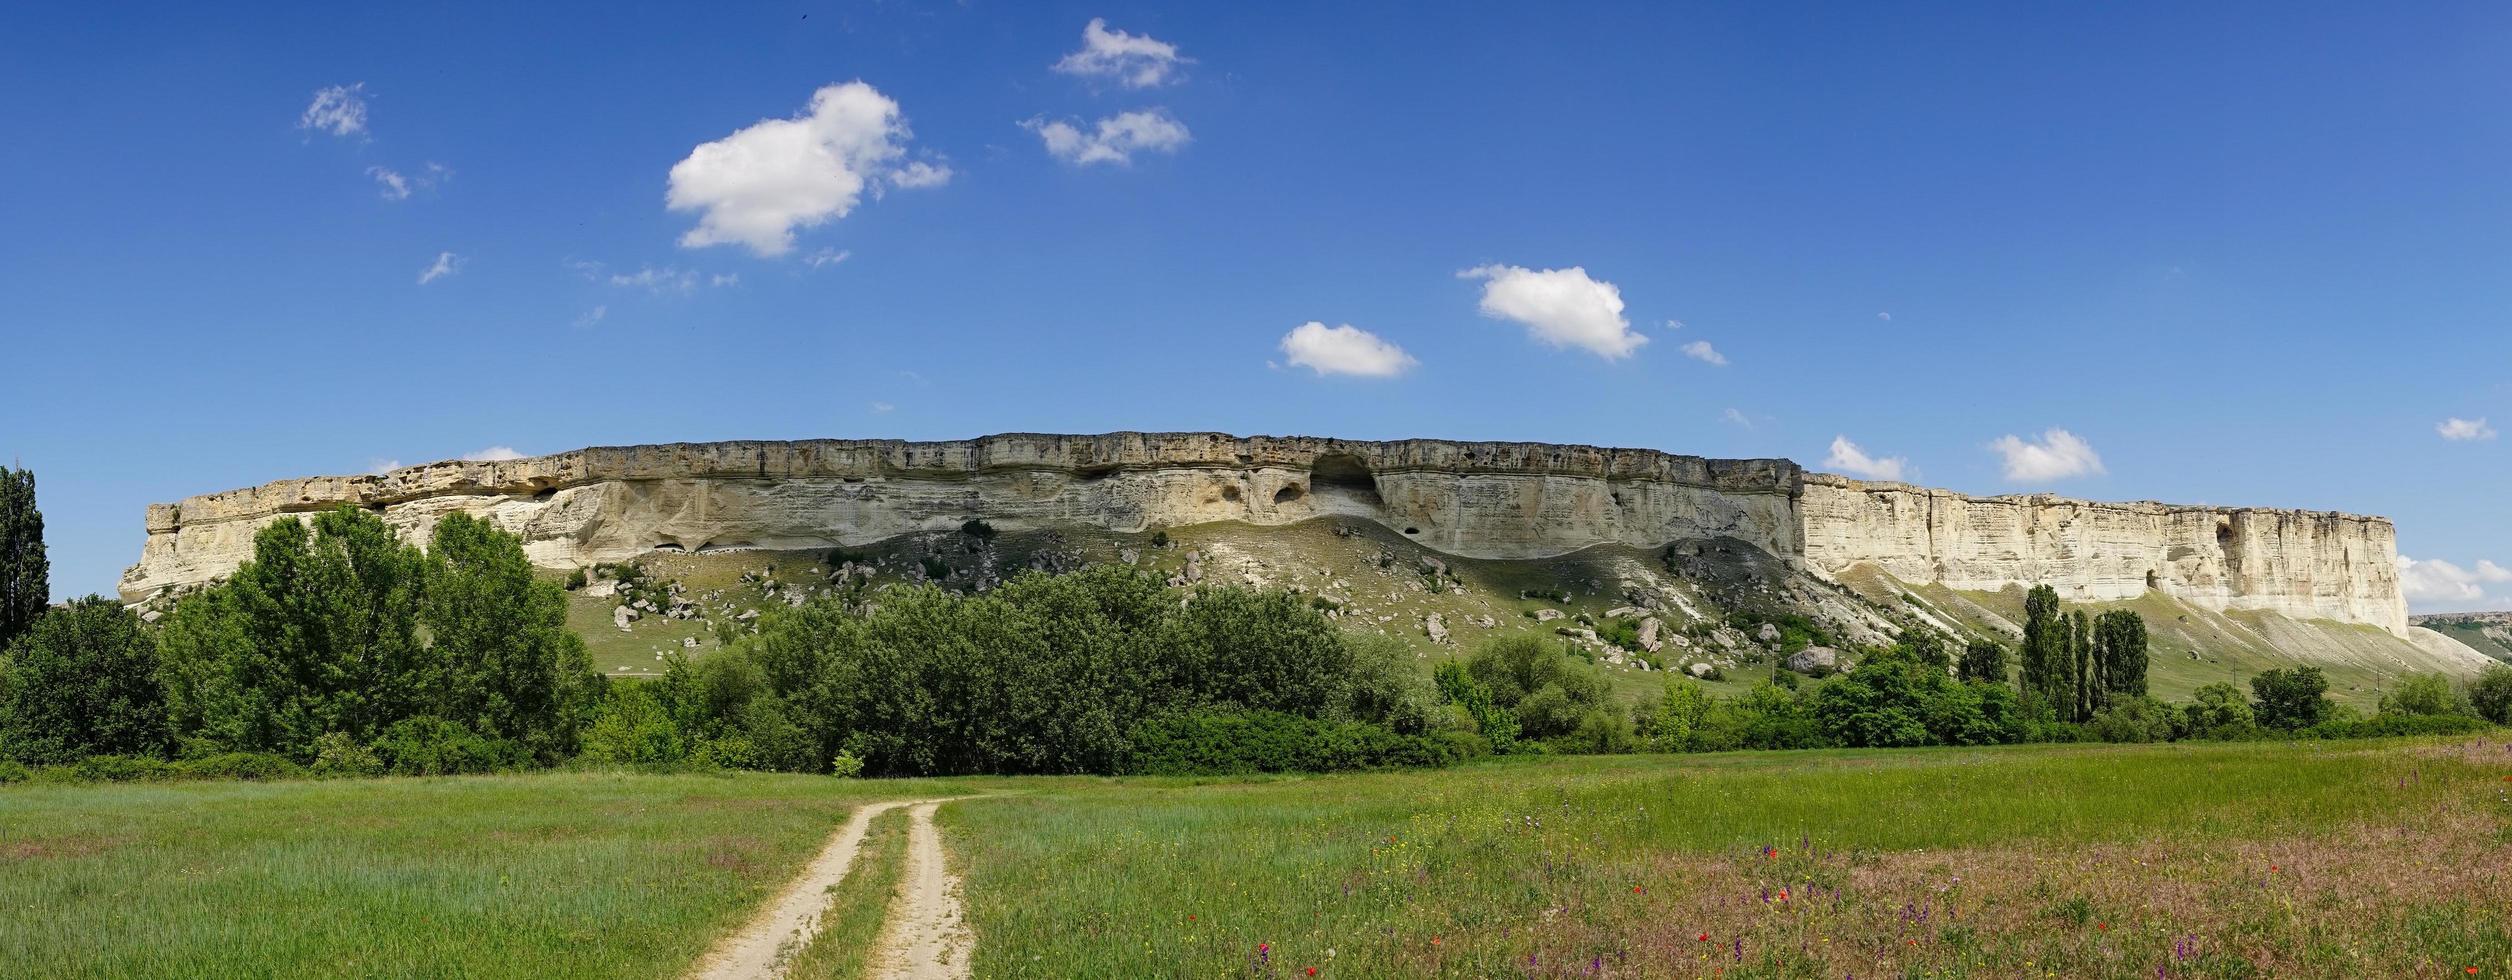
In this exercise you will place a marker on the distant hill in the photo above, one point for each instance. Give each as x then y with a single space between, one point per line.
2489 633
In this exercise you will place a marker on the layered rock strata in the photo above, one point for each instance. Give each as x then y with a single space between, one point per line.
1477 499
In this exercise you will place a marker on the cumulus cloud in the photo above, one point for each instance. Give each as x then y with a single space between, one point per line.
1344 350
1700 350
1561 307
2058 456
883 408
1848 458
828 256
379 467
593 316
1734 417
339 110
756 186
1114 139
446 264
666 279
2464 430
2434 580
1134 60
493 454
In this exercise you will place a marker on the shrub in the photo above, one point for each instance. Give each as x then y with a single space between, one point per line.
2383 726
1235 743
338 755
436 747
2134 718
82 681
12 771
632 729
2491 695
846 766
979 530
576 580
241 765
1539 681
2423 694
121 769
2219 712
1159 539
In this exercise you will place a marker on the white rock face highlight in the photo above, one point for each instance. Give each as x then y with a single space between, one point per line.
2302 564
1478 499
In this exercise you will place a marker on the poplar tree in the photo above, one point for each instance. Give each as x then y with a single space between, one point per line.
25 575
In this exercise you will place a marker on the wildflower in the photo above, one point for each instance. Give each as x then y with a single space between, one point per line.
1705 937
1434 940
1312 971
1638 890
2104 926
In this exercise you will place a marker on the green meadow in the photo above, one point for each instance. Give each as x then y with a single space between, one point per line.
2312 859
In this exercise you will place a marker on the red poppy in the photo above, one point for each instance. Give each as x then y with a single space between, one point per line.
2104 926
1635 889
1705 937
1312 971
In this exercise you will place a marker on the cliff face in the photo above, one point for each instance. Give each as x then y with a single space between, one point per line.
1486 500
1491 500
2302 564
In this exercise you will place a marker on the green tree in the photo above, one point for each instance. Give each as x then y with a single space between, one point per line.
2216 710
504 662
2048 667
2290 698
82 682
25 574
1539 681
2423 694
1983 661
2080 654
318 633
2491 695
2133 718
2121 655
1678 720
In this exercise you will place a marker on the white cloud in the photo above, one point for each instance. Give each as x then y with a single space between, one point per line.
724 279
757 185
493 454
1344 350
1114 139
1561 307
339 110
1134 60
1735 417
1886 317
1674 324
593 316
918 175
666 279
395 186
2464 430
883 408
2434 580
2059 455
828 256
1848 458
1700 350
379 467
446 264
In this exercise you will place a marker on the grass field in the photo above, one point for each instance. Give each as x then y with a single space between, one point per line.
2265 859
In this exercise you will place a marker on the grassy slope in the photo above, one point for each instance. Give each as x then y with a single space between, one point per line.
2475 636
2044 860
550 875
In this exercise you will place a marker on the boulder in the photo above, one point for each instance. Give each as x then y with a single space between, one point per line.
1547 615
1768 634
621 616
1812 659
1648 635
1436 627
1698 669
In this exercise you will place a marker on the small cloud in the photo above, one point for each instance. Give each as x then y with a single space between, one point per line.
1344 350
394 186
1848 458
828 256
593 316
1561 307
724 279
1114 139
883 408
913 378
666 279
1700 350
379 467
446 264
755 187
587 268
2058 456
1886 317
1134 60
1733 417
2465 430
1674 324
339 110
493 454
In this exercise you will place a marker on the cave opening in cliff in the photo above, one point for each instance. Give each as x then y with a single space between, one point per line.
1288 493
2224 534
1341 476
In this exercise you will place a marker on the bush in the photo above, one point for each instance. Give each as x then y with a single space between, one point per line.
337 755
845 766
2384 726
2491 695
2134 718
12 771
1540 682
240 765
2218 712
82 681
632 729
121 769
2423 694
436 747
1237 743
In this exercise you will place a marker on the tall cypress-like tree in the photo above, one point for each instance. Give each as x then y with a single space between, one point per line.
2046 663
25 575
2121 639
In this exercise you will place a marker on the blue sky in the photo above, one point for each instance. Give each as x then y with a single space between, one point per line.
2245 254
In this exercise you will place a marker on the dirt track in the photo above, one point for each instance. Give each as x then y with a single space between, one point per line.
925 937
